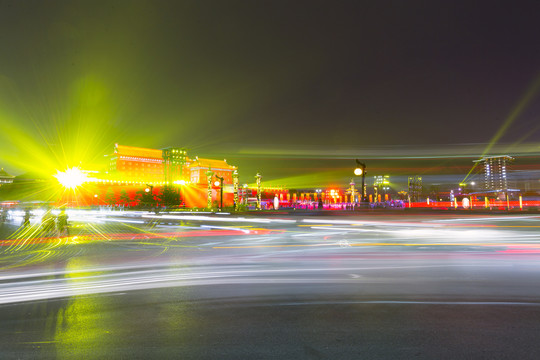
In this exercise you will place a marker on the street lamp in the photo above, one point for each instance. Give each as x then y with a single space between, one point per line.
220 184
361 171
150 191
258 178
245 194
209 175
235 189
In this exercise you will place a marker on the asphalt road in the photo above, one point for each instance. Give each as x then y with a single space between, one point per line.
369 286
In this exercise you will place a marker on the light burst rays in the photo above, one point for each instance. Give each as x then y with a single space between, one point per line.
44 137
47 134
529 95
39 244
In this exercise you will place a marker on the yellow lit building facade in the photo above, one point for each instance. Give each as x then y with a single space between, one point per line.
136 166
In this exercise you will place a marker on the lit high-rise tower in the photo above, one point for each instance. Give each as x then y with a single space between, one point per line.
496 169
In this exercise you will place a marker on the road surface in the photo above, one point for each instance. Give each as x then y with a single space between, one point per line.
373 285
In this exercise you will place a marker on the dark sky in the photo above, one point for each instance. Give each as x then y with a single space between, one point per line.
290 88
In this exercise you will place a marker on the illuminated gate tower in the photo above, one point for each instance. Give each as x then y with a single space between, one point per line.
174 160
135 164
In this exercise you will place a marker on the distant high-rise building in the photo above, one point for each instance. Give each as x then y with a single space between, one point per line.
381 181
381 185
496 169
415 187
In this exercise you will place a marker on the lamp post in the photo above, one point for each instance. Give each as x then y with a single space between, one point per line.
259 195
220 184
209 175
353 190
150 191
361 170
235 189
245 194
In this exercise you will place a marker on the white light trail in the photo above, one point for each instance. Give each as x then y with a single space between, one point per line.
18 291
217 219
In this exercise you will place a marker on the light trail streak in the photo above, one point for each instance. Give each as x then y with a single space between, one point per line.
229 219
104 220
319 234
410 302
272 246
225 228
69 286
429 223
150 235
360 223
491 218
371 244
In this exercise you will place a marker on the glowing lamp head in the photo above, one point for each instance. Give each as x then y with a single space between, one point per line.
71 178
147 190
358 171
216 183
180 182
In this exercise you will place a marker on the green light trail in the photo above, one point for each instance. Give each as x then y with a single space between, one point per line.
514 114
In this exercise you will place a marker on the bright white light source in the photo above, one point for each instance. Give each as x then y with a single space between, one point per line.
71 178
358 171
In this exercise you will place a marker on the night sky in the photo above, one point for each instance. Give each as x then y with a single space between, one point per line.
295 89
